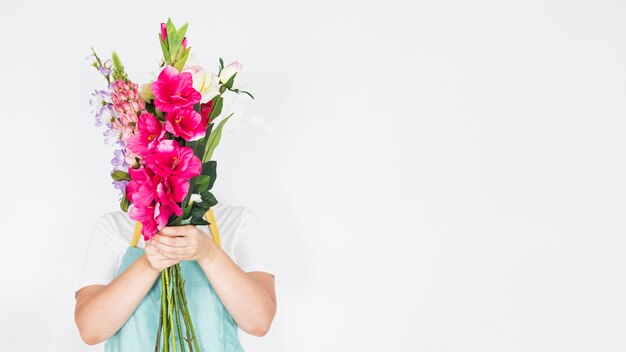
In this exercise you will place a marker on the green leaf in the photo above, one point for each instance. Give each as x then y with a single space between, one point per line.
187 210
214 139
200 208
124 203
150 108
181 62
201 146
202 183
218 102
171 43
166 51
231 80
243 91
208 199
180 34
120 176
210 169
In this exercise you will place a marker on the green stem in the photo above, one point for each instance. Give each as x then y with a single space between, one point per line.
169 309
166 335
188 317
177 312
182 307
157 347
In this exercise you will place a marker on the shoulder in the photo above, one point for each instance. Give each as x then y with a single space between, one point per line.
115 227
229 220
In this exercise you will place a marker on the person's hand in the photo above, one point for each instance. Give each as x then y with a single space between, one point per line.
183 243
156 259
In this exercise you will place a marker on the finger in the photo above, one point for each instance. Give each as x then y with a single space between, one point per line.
171 252
177 230
172 241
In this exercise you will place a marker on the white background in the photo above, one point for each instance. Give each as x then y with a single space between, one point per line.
436 176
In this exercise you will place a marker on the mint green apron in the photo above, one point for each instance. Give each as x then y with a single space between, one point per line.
215 328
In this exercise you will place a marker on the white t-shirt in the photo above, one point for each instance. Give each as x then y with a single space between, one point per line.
241 236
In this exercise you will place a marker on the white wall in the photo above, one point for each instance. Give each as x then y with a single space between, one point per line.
439 176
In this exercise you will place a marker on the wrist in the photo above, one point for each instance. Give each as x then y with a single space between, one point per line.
211 254
147 266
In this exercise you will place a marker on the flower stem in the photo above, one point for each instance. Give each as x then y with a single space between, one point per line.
187 316
177 313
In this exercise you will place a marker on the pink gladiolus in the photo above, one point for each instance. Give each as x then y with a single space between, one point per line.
170 191
154 198
186 123
140 189
170 159
145 215
173 89
163 32
150 134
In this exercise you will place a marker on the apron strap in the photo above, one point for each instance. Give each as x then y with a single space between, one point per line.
210 217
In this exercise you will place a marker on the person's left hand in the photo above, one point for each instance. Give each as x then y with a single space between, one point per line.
183 242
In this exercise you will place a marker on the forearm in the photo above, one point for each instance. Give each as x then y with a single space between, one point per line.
246 301
101 314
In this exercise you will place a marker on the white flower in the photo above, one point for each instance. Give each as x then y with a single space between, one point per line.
145 92
204 82
228 71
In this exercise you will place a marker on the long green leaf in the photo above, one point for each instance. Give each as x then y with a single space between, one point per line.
214 139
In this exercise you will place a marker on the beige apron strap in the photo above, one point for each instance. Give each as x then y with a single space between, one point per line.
136 235
210 217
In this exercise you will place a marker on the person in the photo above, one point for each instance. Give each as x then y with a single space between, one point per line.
230 283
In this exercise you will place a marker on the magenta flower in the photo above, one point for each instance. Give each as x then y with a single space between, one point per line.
170 191
186 123
150 134
141 188
173 89
145 215
170 159
163 32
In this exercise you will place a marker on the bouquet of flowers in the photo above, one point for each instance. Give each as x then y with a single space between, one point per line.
165 133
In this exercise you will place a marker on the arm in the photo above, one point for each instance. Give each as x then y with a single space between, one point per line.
102 310
250 298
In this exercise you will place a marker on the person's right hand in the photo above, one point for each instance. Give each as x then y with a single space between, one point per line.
156 259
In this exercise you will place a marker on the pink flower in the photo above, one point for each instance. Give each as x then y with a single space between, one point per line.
145 215
154 198
151 132
170 191
141 188
185 42
186 123
163 32
173 89
170 159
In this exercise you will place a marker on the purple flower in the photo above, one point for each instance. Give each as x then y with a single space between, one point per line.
118 161
110 133
102 106
121 185
105 69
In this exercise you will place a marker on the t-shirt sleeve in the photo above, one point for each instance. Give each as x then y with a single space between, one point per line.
102 258
251 249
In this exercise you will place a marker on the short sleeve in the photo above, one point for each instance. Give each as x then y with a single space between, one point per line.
251 248
102 258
